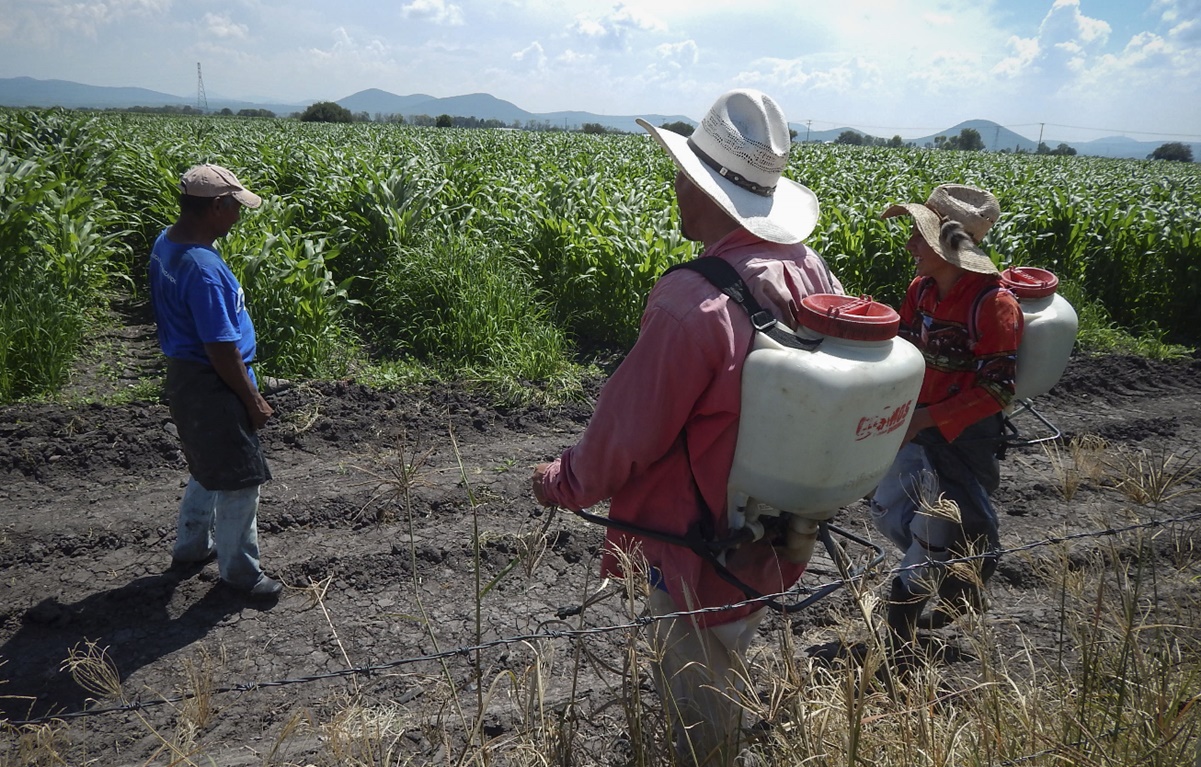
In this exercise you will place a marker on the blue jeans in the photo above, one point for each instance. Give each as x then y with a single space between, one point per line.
225 520
896 513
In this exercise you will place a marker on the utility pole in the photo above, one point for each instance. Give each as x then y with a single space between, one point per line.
1040 137
996 139
202 102
807 124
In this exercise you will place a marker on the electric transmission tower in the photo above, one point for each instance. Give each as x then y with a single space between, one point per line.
202 101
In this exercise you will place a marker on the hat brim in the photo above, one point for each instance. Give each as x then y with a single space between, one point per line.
929 225
787 217
247 198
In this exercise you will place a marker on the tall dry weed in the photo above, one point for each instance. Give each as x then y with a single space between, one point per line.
1153 476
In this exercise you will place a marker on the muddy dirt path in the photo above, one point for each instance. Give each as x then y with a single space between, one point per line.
370 522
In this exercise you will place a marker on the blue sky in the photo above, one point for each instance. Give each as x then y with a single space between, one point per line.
1084 68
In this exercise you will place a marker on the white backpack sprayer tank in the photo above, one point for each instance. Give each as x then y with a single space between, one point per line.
1050 332
819 429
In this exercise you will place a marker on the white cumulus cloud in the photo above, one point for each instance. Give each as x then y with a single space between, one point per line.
437 11
570 57
532 55
1187 32
370 56
842 76
1175 11
48 20
224 27
614 28
1066 39
680 55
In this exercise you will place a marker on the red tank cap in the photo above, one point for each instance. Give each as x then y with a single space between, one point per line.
1029 281
855 319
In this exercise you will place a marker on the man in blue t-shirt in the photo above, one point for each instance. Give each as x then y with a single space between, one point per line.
208 338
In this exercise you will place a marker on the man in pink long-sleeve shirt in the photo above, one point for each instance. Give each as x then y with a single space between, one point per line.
665 424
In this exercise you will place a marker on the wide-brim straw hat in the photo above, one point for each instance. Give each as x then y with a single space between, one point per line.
976 209
737 156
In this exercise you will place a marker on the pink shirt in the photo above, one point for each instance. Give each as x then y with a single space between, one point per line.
676 397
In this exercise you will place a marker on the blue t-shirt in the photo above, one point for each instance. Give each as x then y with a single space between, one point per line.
197 300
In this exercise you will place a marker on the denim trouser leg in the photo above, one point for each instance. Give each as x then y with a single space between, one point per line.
896 513
225 520
237 536
194 531
895 502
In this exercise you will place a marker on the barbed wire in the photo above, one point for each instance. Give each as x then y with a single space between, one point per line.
581 633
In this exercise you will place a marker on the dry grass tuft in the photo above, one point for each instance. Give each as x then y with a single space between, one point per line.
93 670
1155 476
1084 460
369 734
398 473
303 419
33 745
197 710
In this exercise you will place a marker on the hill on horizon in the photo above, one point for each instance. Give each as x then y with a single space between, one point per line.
998 138
31 92
485 106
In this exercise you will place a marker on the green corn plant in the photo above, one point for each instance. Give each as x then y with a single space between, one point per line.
297 307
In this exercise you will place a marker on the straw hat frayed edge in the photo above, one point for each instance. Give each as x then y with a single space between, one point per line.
929 224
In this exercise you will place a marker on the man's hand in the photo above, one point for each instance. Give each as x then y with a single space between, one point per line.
227 361
536 484
259 412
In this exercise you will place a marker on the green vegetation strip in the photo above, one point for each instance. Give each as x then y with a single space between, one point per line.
501 257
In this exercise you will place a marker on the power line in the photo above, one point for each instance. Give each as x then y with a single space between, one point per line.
1122 131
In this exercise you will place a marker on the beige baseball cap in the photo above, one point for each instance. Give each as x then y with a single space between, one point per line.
209 180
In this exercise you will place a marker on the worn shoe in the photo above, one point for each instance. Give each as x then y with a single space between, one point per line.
266 588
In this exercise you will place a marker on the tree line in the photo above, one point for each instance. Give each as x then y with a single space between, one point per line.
329 111
968 140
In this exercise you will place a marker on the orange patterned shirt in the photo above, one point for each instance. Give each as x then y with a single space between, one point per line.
969 340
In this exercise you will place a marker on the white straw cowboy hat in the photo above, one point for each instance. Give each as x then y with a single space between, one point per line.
736 157
210 180
976 209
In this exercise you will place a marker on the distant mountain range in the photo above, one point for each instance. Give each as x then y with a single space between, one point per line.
997 138
487 107
28 92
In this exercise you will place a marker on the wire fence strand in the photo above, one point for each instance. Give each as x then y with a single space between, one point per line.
583 633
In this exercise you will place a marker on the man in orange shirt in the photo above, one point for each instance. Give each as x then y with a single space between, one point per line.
968 328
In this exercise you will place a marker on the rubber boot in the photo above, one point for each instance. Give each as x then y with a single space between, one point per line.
956 597
904 607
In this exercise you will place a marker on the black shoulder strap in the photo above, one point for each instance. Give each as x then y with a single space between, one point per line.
726 279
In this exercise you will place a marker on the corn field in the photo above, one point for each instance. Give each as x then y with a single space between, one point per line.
500 256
